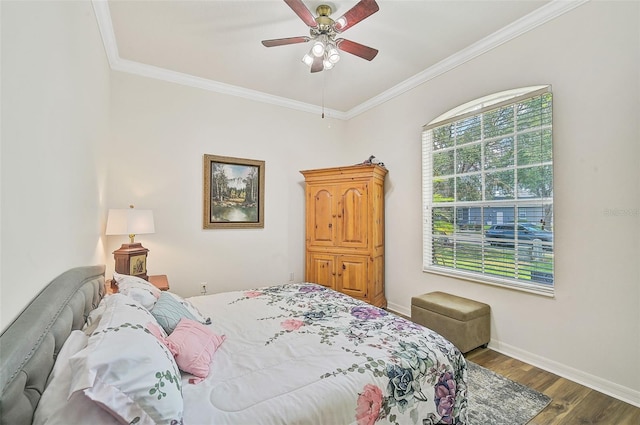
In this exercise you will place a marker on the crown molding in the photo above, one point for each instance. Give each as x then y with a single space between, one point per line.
103 16
105 25
525 24
163 74
536 18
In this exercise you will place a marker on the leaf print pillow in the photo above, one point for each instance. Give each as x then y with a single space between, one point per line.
126 370
138 289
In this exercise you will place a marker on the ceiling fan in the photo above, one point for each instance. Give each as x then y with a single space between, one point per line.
323 31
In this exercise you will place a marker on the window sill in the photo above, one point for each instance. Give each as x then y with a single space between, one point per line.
547 291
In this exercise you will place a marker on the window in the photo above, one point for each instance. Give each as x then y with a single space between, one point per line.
487 172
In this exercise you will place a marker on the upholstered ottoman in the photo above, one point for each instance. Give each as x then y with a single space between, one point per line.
462 321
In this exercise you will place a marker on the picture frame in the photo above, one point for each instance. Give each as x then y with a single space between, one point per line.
233 192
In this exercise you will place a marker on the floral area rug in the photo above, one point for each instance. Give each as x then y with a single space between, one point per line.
496 400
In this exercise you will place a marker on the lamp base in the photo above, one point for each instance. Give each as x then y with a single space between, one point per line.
131 259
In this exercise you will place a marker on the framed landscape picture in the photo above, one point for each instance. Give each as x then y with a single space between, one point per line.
233 193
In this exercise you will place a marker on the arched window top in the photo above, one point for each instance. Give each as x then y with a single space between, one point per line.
485 103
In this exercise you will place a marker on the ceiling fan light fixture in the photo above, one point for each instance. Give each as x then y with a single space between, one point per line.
325 47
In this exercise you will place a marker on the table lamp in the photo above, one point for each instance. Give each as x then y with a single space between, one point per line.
131 258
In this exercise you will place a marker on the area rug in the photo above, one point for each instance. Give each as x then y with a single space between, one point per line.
496 400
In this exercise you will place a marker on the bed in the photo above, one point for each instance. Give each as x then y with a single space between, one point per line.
285 354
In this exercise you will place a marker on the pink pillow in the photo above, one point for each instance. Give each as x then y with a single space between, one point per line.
193 345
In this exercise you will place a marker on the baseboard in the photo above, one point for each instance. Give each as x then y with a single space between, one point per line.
397 308
609 388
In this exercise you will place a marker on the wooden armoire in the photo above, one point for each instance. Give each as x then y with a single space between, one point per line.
345 230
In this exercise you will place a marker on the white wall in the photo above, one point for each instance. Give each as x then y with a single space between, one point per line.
160 132
590 331
55 92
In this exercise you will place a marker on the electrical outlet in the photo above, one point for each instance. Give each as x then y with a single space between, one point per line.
291 277
204 288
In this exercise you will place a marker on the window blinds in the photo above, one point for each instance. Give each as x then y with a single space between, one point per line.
488 191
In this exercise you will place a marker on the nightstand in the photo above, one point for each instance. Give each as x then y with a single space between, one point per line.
160 281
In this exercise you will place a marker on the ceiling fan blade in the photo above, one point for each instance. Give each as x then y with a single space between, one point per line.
357 49
357 13
302 11
284 41
317 65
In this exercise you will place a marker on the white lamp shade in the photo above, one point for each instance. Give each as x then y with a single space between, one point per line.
318 48
307 59
130 222
340 23
333 56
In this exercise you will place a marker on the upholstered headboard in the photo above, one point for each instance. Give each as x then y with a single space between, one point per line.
30 345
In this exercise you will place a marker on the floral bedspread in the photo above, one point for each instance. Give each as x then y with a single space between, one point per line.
302 353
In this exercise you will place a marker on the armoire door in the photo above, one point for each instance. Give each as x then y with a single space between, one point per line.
321 215
353 215
321 269
353 275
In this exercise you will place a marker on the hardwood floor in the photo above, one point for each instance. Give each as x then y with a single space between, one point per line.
571 404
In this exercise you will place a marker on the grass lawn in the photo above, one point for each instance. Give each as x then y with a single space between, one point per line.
495 261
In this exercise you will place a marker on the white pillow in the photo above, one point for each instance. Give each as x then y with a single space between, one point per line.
54 408
126 370
139 289
143 296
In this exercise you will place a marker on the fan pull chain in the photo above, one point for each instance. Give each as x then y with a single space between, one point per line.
324 79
